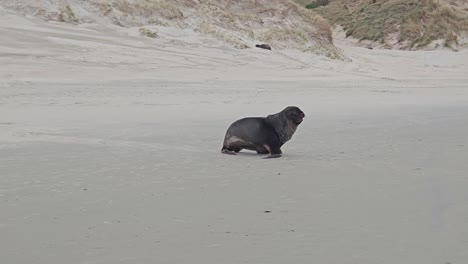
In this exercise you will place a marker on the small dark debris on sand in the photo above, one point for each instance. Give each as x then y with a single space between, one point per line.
263 46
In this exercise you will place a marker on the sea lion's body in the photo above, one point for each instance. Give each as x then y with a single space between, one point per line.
263 134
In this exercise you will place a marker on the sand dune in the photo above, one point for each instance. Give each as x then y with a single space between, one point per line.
110 151
240 24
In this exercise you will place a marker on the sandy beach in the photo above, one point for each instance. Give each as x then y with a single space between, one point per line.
110 151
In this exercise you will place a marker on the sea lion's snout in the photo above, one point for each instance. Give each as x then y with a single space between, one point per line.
298 117
301 116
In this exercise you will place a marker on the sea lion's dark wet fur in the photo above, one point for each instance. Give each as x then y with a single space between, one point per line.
263 134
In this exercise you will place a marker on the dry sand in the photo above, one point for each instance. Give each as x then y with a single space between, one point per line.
110 151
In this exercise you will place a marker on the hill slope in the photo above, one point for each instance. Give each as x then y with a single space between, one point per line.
281 23
402 24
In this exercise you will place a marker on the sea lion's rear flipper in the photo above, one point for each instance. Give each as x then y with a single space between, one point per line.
224 150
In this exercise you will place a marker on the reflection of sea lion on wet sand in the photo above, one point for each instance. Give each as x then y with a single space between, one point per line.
263 134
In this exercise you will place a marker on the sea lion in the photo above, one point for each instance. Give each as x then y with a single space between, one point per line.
263 134
263 46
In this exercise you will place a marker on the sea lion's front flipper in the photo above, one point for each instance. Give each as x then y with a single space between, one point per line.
275 153
273 156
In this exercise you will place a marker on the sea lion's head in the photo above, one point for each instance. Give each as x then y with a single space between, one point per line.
286 122
294 114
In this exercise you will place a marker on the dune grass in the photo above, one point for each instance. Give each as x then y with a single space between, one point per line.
148 33
141 8
284 35
415 23
221 34
67 15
